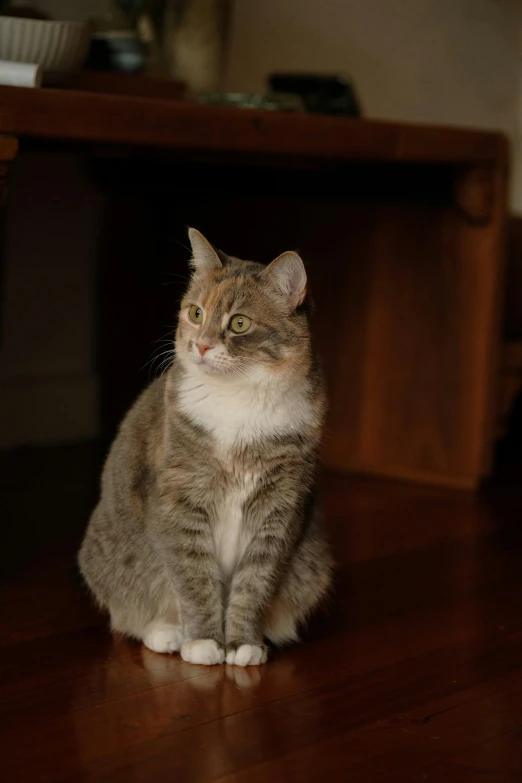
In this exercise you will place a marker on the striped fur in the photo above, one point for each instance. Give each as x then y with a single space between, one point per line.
208 536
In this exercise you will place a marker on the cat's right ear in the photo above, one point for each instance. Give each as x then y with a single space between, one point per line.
204 257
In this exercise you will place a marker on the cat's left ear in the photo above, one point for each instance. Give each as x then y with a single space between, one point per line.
204 257
288 276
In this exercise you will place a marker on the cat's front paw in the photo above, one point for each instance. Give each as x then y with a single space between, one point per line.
204 651
247 654
163 637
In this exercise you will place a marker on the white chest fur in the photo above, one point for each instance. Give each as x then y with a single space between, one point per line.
230 535
237 414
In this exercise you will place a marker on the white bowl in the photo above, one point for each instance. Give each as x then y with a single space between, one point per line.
59 47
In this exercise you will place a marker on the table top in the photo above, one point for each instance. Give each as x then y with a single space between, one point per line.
168 122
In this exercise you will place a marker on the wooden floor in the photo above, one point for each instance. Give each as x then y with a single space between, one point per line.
415 673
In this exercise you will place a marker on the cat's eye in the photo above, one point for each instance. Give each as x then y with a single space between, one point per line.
196 314
239 324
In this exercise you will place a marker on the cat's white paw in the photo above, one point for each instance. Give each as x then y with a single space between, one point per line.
203 651
163 637
247 655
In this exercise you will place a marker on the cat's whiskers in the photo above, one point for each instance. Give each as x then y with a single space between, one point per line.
167 361
168 337
156 356
165 367
169 354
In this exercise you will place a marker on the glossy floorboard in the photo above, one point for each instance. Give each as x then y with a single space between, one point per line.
413 674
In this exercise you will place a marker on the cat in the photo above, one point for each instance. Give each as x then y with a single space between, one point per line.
208 536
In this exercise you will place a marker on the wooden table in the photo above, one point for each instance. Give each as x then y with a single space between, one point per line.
402 226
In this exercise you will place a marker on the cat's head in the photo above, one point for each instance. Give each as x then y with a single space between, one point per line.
242 320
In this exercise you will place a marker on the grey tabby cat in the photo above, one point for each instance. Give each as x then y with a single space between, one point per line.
208 537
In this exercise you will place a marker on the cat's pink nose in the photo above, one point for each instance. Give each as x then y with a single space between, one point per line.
203 348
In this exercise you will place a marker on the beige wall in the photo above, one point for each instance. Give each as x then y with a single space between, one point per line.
435 61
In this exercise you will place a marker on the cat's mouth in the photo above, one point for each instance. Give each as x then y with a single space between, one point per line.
207 365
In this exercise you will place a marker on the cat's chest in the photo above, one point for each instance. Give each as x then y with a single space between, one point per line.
231 534
230 415
242 415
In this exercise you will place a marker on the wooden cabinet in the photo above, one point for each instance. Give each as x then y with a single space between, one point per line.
402 227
